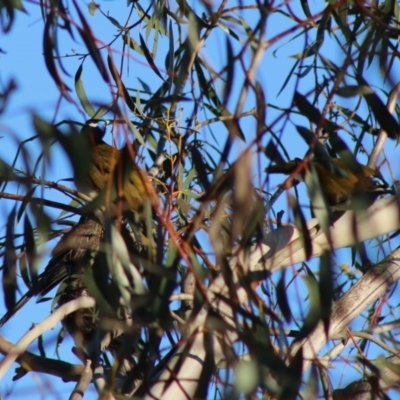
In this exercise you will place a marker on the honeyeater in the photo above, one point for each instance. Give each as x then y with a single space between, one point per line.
114 174
113 171
340 182
71 253
77 251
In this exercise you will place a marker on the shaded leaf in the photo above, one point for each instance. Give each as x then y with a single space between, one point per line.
120 85
30 249
301 223
282 298
9 267
149 57
90 42
230 73
293 376
326 285
260 104
313 114
200 168
382 114
231 125
48 46
272 152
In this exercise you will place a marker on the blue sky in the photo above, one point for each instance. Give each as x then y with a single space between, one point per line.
36 92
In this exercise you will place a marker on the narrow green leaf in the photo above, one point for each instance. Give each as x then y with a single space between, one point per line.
80 91
326 286
133 44
313 114
230 72
31 252
90 42
306 8
114 22
200 168
319 204
293 377
282 300
260 104
23 269
382 114
49 59
301 224
314 314
171 54
120 85
9 267
149 58
232 125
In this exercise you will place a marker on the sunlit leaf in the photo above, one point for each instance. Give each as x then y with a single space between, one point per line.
92 7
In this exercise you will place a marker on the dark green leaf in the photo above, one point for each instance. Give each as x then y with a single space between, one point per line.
306 9
23 268
114 22
30 249
120 85
90 42
301 224
272 152
261 104
382 114
326 285
232 125
48 46
149 57
230 73
200 168
293 377
9 267
313 114
282 298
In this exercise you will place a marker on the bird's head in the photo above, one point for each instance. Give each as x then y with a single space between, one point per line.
95 130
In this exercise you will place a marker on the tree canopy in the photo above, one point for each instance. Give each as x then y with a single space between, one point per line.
226 281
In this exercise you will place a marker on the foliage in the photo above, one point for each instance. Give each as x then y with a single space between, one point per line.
219 116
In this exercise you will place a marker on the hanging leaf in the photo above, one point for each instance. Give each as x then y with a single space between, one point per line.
149 57
10 267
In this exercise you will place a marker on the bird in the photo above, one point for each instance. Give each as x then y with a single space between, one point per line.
78 250
112 170
342 184
112 173
73 251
